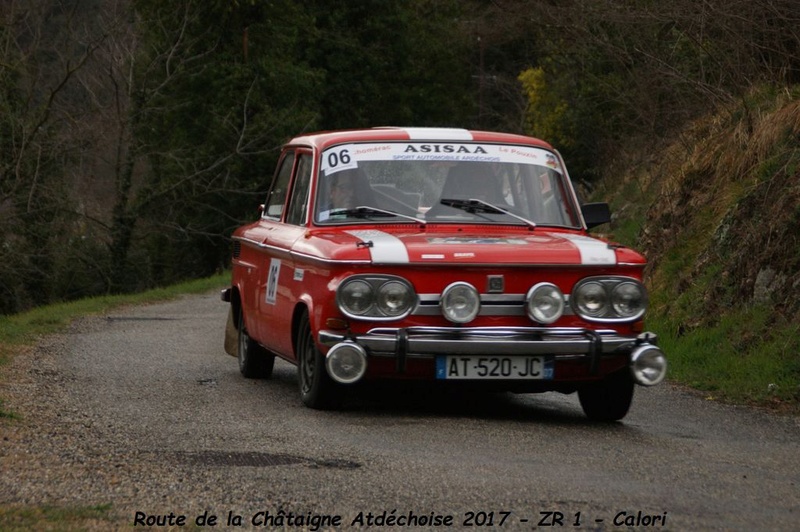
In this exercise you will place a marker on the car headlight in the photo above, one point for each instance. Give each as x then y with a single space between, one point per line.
394 298
609 299
356 297
381 297
591 299
545 303
628 300
460 302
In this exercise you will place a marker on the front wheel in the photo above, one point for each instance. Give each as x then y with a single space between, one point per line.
255 362
317 389
609 399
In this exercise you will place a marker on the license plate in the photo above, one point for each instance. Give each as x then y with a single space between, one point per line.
488 368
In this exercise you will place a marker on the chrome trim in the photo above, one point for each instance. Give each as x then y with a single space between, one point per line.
312 258
426 342
255 243
297 254
244 264
491 305
261 245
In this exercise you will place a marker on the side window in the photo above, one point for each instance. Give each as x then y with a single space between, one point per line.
298 204
277 194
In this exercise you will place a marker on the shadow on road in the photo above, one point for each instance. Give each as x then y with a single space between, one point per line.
405 400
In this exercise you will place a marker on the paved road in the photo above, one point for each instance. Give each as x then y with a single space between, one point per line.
143 410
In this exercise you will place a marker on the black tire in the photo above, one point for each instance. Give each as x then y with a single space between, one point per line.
609 399
255 362
317 389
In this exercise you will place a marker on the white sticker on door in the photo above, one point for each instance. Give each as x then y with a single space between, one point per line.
272 280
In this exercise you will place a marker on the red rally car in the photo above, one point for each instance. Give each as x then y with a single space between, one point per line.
447 255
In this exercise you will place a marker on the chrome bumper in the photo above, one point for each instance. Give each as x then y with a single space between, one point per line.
427 342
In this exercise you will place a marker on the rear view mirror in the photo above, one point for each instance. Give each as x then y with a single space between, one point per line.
595 214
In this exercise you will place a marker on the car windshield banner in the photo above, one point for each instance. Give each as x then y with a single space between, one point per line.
348 156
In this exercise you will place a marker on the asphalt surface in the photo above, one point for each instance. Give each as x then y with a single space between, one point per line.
144 411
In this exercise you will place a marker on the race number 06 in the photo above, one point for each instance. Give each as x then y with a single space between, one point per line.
337 158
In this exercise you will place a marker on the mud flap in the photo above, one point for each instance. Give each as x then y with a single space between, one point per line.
231 335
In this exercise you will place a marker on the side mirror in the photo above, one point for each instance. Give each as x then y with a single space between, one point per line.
595 214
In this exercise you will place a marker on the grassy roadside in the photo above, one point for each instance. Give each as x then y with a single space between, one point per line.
749 357
746 353
17 334
52 518
20 331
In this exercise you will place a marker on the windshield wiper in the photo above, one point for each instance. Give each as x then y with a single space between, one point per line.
476 206
363 211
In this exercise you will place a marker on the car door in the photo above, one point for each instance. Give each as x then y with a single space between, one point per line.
284 222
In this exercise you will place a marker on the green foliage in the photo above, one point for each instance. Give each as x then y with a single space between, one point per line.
745 354
133 141
615 72
570 113
36 95
213 105
389 63
55 518
546 114
5 413
748 356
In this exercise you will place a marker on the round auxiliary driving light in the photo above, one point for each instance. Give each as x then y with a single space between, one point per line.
545 303
648 365
346 362
460 302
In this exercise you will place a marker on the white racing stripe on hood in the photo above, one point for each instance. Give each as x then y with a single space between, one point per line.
385 248
435 133
592 251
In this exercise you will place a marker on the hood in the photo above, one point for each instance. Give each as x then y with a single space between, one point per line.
541 247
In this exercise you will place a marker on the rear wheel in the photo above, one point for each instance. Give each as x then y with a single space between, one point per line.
255 362
609 399
317 389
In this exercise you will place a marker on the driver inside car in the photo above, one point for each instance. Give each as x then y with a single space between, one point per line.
347 189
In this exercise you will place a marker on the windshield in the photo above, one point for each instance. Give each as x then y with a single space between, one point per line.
400 182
